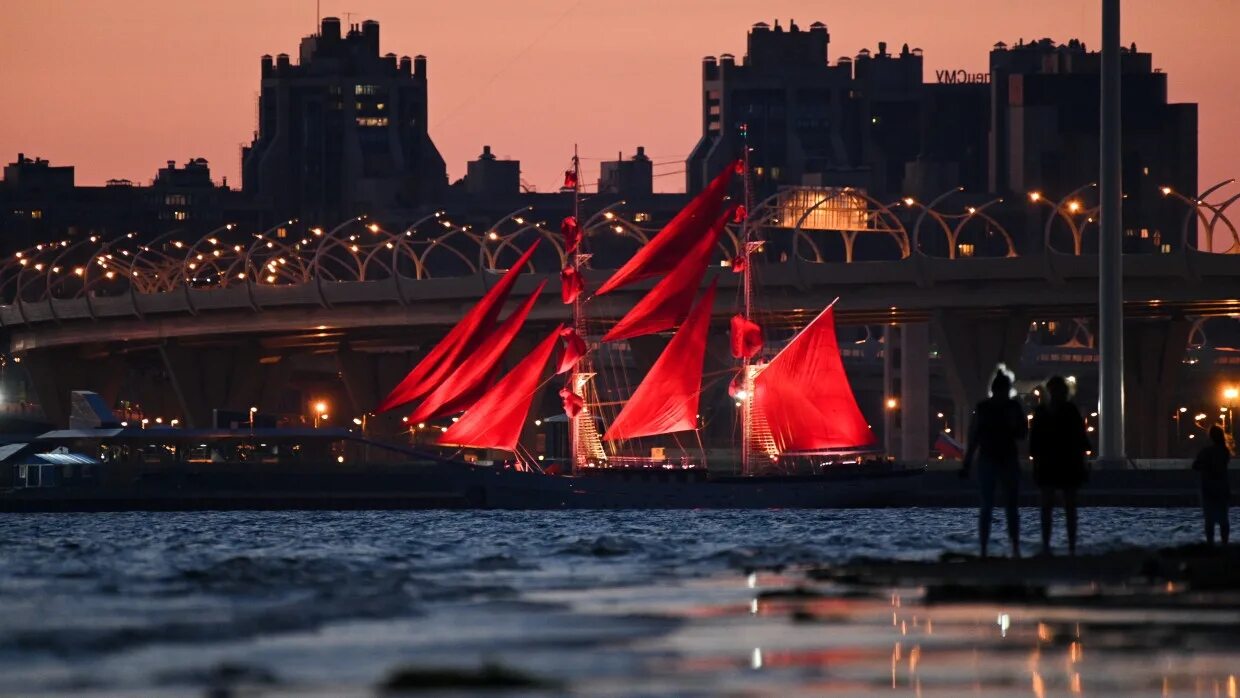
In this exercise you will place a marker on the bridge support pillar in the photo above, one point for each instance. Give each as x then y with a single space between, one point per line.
55 373
971 347
225 377
369 376
1153 356
914 391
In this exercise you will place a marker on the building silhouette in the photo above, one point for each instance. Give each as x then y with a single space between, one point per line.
1044 132
488 176
630 178
343 132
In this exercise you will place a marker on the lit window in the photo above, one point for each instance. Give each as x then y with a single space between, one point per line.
179 215
1145 233
281 232
176 200
1166 248
365 89
965 249
642 218
372 121
380 106
36 214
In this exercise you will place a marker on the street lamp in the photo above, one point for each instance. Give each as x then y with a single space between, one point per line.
320 412
253 411
1230 393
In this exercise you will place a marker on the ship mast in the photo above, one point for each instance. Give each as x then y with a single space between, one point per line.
747 291
579 320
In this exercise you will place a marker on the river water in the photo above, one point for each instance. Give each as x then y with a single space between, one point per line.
588 603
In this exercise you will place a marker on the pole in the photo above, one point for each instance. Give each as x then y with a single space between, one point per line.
574 424
1110 260
747 291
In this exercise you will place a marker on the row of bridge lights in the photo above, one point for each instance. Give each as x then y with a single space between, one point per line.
1073 206
316 231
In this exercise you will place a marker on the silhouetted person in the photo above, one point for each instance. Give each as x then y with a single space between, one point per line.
998 423
1211 462
1058 445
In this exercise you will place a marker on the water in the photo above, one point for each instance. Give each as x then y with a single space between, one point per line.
332 602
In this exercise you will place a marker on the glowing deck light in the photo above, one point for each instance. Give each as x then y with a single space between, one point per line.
1035 196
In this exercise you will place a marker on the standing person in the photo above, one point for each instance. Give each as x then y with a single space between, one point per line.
1211 462
998 423
1058 444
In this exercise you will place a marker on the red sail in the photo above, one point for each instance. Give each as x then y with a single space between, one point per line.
495 421
470 379
460 342
574 349
804 394
667 249
667 304
571 285
571 232
573 403
746 337
667 400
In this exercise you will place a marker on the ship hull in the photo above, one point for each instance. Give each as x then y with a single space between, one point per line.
464 486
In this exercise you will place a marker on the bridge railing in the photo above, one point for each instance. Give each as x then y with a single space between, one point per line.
296 263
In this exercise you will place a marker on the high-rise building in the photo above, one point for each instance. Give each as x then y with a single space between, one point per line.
343 132
1044 132
791 100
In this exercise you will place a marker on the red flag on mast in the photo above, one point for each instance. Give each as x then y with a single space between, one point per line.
571 232
667 400
573 403
460 342
574 349
470 380
571 285
496 420
668 248
746 337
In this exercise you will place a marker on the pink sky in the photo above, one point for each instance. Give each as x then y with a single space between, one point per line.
117 88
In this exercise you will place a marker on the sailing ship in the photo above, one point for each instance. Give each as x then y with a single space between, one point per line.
794 407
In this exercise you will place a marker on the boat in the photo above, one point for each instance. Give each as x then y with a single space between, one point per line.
803 439
804 442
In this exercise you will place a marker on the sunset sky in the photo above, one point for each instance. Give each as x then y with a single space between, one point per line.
117 88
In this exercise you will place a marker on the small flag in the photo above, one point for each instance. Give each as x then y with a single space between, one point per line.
948 447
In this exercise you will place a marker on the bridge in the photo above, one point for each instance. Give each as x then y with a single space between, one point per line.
223 314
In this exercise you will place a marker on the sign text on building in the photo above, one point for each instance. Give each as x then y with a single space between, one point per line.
960 77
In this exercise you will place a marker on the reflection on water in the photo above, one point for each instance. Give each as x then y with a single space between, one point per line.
795 637
590 603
